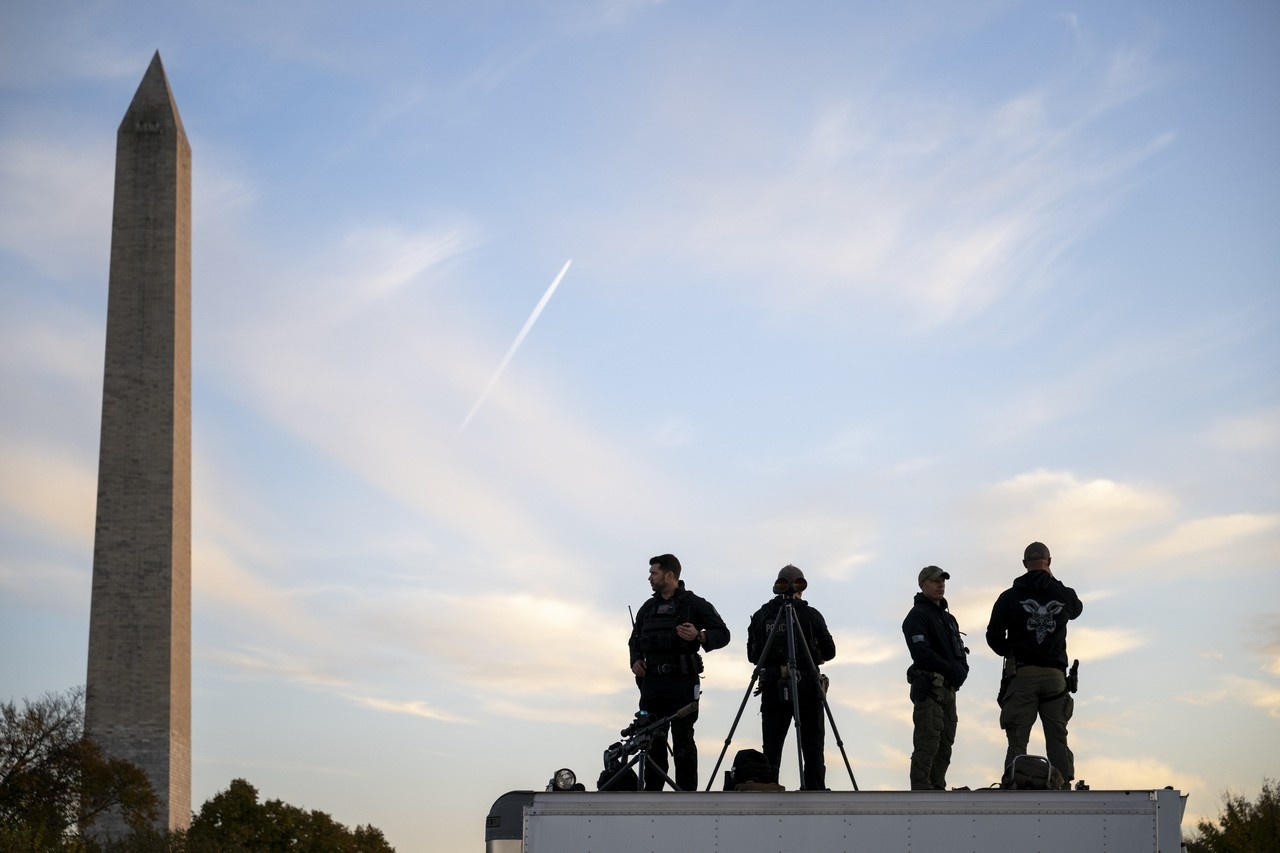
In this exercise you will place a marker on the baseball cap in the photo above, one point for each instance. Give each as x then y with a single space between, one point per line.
933 573
1035 551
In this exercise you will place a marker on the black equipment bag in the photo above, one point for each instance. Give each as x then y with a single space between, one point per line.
1032 773
750 767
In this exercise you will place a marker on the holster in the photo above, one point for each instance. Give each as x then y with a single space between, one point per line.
1006 677
921 683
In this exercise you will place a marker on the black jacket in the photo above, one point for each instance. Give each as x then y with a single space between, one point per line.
810 623
654 638
933 637
1029 620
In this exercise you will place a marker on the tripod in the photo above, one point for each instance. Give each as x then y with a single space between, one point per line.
786 617
639 739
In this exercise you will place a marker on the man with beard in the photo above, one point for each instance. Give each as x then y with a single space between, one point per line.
670 629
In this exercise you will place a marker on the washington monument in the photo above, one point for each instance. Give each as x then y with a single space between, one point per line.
138 690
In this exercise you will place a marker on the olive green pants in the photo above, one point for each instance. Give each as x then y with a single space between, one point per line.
935 733
1039 691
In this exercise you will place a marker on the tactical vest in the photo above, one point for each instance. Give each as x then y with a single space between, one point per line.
778 651
664 651
658 630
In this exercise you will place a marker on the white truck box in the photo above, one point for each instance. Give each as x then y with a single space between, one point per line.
1147 821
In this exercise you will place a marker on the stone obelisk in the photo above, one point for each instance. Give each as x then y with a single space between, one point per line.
138 691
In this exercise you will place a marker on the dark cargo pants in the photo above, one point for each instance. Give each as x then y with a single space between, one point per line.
935 721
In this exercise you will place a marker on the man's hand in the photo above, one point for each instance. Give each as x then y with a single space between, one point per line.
686 631
638 669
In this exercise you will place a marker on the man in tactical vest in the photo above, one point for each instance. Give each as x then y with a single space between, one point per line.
670 629
777 707
1028 628
939 665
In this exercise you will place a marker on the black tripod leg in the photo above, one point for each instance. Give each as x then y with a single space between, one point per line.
672 782
835 732
755 674
795 691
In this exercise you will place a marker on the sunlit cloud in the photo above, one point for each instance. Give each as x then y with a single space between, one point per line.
1262 695
1127 773
1266 627
1093 643
534 643
49 489
413 708
271 665
1069 514
858 648
1212 536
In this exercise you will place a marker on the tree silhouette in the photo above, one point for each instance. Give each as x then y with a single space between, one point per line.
1242 827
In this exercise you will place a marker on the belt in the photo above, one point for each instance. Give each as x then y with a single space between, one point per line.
683 665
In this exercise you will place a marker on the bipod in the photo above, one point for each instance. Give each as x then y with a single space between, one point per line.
640 741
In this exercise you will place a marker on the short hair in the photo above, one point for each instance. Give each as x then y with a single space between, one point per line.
667 562
790 573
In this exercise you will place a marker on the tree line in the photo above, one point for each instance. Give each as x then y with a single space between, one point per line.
55 784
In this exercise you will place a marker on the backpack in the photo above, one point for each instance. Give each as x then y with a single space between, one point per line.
751 772
1032 773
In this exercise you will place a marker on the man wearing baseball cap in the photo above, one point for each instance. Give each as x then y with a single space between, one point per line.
1028 628
938 667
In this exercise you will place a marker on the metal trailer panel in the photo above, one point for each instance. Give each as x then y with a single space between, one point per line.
818 822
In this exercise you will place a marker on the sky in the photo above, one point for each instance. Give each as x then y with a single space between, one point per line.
493 301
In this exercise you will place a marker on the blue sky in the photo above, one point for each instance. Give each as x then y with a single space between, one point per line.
859 287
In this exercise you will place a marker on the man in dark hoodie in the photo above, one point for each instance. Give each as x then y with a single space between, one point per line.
777 705
938 667
1028 628
670 629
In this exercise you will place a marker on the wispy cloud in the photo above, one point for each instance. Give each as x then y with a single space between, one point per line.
73 176
1236 689
413 708
1249 433
934 207
1214 535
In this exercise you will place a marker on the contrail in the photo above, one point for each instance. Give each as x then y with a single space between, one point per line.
515 345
